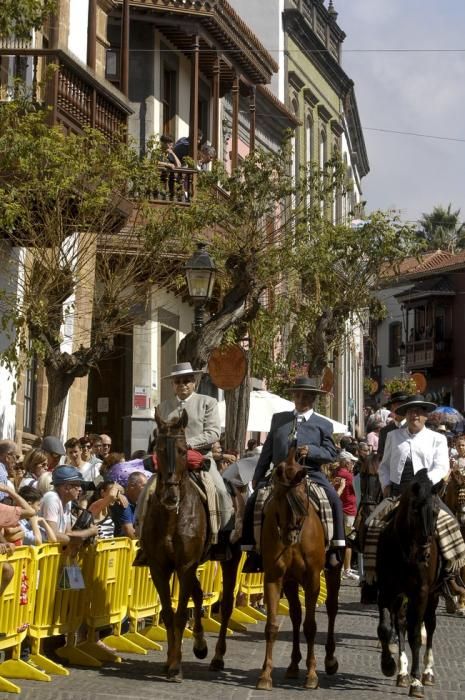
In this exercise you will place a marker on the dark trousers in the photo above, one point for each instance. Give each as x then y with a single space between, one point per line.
334 501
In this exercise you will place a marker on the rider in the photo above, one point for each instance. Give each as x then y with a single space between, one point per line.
313 435
408 450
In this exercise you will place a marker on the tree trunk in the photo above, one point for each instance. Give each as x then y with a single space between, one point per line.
59 384
237 415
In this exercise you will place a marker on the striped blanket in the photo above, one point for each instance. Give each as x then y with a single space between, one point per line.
318 499
208 492
450 540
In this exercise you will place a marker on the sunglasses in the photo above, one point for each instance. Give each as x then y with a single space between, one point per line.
184 380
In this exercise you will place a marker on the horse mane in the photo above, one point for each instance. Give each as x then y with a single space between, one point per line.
416 504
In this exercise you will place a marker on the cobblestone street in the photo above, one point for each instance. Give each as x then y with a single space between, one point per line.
359 675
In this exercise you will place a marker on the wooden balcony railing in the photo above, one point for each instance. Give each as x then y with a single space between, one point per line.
428 352
177 185
76 98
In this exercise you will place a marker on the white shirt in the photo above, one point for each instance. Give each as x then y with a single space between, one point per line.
52 509
305 415
427 449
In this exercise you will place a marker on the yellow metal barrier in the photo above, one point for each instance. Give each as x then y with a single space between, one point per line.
143 602
16 606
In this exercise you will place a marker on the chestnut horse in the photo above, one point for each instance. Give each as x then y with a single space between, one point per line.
174 539
407 569
293 550
454 497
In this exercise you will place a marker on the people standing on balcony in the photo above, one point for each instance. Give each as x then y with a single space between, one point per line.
182 146
168 157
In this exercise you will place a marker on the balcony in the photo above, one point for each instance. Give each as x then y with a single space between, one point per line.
177 186
75 97
428 353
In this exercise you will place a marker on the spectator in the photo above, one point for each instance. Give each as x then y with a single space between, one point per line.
36 530
35 464
106 446
109 462
107 495
18 473
96 448
8 459
168 157
55 451
56 505
88 471
373 436
251 445
343 482
182 146
123 517
206 155
10 515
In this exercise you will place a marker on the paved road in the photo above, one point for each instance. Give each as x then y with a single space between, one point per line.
359 677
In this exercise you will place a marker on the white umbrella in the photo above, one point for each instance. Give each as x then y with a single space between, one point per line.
263 405
239 473
337 427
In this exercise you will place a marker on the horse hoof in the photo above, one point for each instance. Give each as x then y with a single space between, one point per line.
416 691
264 684
460 612
201 652
292 672
428 679
331 666
174 676
403 681
216 665
311 683
388 666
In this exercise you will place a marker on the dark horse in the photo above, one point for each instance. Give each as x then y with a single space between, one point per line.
407 572
454 497
293 548
174 537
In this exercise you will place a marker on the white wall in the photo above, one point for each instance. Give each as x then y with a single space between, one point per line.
8 283
393 314
77 37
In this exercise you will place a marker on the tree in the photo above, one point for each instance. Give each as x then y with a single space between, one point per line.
442 229
19 17
76 210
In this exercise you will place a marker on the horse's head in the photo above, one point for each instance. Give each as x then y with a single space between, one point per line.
289 488
171 450
417 505
455 495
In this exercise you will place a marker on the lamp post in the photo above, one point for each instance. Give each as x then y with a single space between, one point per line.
200 274
402 358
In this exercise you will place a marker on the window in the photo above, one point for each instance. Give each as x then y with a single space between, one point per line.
395 340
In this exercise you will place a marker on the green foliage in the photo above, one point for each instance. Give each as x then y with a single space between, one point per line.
406 384
19 17
443 230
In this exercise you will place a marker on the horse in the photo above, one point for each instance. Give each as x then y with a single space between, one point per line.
174 539
454 498
407 569
293 550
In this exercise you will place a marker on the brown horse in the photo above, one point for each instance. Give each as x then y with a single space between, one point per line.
454 497
407 570
293 549
174 538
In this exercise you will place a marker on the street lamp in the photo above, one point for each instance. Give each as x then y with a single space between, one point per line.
402 358
200 275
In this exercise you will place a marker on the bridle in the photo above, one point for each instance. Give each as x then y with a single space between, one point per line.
170 482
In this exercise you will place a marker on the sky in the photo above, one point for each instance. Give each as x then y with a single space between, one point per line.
410 91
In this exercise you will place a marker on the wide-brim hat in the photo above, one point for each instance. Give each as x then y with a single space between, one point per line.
66 474
181 369
305 384
416 401
397 397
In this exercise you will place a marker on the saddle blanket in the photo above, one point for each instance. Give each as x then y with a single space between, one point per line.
450 540
207 492
319 500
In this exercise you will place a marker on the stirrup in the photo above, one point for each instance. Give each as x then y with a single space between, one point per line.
141 559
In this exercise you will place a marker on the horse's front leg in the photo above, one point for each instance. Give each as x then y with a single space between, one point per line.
186 586
312 590
430 624
291 590
200 644
400 622
161 580
333 584
272 595
388 663
415 614
229 569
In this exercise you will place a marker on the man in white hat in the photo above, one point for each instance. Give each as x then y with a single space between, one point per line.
203 426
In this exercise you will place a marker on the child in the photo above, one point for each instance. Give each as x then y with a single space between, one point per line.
36 529
10 516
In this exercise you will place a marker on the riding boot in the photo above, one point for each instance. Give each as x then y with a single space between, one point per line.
253 564
452 585
247 539
334 557
141 559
